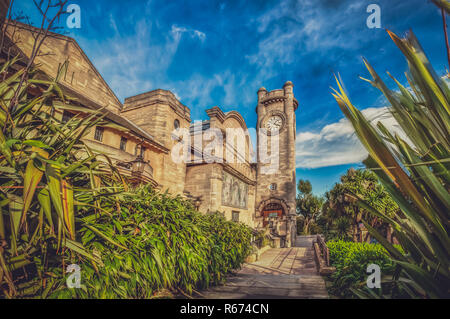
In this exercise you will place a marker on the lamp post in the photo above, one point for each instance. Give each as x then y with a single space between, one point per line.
137 166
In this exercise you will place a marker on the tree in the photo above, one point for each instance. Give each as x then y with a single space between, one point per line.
304 187
341 210
308 205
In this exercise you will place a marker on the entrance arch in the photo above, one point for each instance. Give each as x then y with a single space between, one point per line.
268 208
272 210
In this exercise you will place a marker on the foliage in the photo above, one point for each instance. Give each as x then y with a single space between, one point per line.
42 182
304 187
62 203
262 238
169 245
313 227
343 226
351 261
443 4
342 216
309 206
413 168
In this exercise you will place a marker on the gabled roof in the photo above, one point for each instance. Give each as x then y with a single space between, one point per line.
58 48
84 99
122 121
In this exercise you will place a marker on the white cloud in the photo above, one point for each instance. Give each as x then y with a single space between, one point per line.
137 62
337 143
141 60
294 28
178 31
127 60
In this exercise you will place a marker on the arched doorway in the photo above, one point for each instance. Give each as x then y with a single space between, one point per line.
275 214
272 211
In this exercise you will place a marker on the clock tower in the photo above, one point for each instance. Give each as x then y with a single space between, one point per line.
276 183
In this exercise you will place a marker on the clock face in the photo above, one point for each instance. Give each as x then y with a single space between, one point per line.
274 123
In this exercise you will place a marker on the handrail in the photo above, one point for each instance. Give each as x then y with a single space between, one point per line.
322 256
324 250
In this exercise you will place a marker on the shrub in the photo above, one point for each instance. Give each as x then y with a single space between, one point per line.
262 238
315 229
351 261
57 210
300 225
153 242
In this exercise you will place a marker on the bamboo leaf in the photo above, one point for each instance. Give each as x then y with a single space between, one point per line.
68 207
32 178
45 202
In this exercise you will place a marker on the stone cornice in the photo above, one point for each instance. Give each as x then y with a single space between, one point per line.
228 168
216 112
158 97
273 99
277 99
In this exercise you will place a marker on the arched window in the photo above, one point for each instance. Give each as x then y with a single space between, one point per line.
123 144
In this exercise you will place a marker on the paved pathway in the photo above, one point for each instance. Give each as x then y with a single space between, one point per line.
284 273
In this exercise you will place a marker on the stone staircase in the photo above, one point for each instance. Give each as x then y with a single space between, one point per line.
280 273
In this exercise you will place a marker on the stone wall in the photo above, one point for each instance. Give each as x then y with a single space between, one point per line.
110 146
156 113
206 181
81 76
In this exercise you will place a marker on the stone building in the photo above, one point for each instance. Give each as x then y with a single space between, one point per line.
149 126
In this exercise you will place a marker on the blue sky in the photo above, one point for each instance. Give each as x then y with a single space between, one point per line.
220 52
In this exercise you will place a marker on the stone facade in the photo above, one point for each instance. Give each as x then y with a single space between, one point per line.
277 187
156 112
80 76
152 125
226 186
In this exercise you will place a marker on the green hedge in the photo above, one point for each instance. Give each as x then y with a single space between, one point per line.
168 245
351 261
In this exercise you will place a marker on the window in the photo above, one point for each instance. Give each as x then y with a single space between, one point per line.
139 150
67 116
273 187
176 124
123 143
235 216
99 133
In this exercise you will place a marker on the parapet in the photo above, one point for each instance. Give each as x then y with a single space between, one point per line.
265 97
157 97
